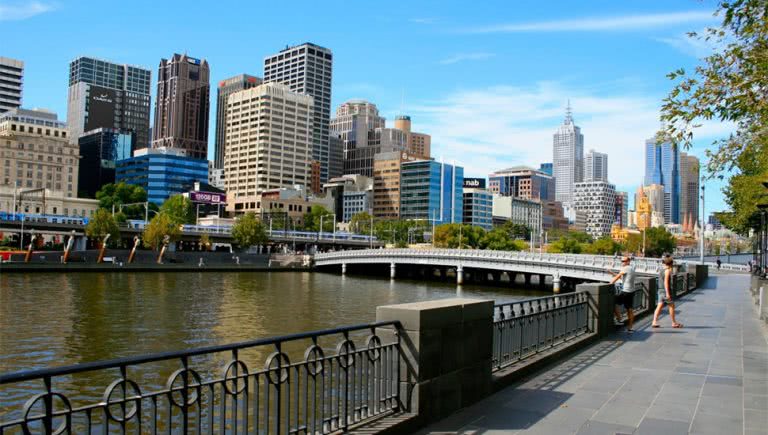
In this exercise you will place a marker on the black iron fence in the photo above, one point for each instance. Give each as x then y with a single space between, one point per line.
525 328
307 383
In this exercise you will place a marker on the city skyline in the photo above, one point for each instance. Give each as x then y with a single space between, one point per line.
498 117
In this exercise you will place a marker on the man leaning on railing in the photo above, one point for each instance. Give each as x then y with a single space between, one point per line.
625 292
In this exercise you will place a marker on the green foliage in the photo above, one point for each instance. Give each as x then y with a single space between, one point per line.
659 241
312 219
205 242
360 223
160 226
179 210
565 245
745 190
602 246
101 224
458 236
248 230
498 240
397 231
121 193
729 85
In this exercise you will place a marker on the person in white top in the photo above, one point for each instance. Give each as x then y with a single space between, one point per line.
626 296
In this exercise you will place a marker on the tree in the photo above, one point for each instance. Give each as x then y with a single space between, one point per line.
360 223
745 191
498 240
179 209
659 241
458 236
160 226
248 231
565 245
312 219
602 246
101 224
205 242
113 195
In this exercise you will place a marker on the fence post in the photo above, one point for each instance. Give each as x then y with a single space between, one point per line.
601 304
446 350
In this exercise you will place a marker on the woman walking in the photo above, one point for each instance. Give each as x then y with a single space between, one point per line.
664 294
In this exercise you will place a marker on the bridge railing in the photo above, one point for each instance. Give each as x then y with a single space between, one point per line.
525 328
314 382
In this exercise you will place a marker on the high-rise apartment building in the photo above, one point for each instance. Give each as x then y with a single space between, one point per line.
478 208
386 183
363 134
100 150
597 200
308 69
418 144
622 209
567 158
689 188
528 212
104 94
11 83
595 166
37 152
522 182
182 106
431 190
662 166
351 194
546 168
268 143
226 88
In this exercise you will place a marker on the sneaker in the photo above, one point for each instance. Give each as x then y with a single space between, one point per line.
618 323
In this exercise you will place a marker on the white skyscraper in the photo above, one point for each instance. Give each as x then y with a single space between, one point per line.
11 83
568 158
595 166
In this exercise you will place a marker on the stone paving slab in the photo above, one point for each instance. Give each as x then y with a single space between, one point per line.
711 377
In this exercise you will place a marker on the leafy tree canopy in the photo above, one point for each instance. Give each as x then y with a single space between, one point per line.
179 209
101 224
458 236
312 219
121 193
248 231
160 226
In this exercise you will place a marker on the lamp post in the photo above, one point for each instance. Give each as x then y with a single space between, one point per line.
701 242
762 238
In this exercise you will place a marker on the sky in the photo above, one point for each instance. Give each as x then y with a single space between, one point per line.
488 80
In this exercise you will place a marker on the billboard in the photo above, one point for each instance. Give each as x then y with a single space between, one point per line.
477 183
101 108
208 197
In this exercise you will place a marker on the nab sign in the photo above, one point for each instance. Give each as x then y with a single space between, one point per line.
474 183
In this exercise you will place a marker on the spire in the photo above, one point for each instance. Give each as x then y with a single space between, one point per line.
568 113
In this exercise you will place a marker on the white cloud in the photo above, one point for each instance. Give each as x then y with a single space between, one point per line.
497 127
586 24
22 11
423 20
466 56
692 46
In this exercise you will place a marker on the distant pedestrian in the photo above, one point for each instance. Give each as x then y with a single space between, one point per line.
749 263
625 296
718 263
664 294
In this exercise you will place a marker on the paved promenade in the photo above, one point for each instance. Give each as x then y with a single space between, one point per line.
710 377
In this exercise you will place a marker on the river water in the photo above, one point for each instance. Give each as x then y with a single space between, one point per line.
49 320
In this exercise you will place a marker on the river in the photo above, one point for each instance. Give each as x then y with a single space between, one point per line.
49 320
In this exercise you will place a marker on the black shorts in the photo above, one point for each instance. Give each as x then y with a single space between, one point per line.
625 299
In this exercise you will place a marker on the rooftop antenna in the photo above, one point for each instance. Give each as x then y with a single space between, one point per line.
568 113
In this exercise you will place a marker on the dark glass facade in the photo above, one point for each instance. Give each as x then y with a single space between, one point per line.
162 174
431 190
99 151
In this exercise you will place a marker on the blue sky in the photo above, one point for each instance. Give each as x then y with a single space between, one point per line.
489 80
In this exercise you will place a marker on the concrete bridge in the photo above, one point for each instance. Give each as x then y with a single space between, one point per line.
563 268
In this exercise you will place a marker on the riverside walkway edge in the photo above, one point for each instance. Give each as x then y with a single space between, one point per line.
711 377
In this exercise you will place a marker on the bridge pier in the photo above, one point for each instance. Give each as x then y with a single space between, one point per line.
527 279
459 275
512 277
556 283
443 273
392 270
542 280
343 268
496 277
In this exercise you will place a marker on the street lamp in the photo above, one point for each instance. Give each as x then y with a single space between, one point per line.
701 242
763 238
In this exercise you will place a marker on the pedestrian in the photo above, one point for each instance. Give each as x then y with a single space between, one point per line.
625 295
664 294
718 263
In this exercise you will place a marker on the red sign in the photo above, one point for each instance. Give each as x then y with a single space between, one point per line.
208 197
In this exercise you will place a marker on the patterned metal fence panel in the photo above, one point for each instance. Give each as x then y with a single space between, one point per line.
525 328
316 382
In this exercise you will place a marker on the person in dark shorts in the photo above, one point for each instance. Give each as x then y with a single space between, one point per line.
626 296
664 294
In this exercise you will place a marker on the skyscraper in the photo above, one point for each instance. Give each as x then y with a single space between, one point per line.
307 69
104 94
689 188
568 158
597 200
595 166
268 143
431 190
226 88
363 135
11 83
522 182
182 106
662 166
419 144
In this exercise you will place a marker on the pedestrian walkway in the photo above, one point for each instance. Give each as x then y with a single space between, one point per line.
711 377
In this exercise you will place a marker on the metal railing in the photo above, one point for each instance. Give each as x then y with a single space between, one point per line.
525 328
315 382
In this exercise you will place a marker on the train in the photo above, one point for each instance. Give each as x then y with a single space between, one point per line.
43 218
